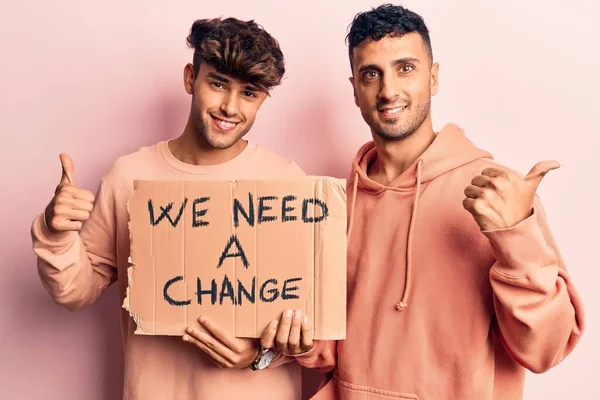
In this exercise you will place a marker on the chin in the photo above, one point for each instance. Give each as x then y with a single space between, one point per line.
221 144
222 141
392 135
217 140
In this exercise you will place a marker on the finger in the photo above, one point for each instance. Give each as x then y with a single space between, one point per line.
267 340
294 337
494 173
283 332
67 169
482 181
70 214
223 337
469 205
307 335
211 343
539 170
75 192
473 192
82 194
75 204
216 358
65 225
477 207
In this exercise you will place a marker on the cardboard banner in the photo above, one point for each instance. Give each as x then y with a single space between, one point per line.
239 252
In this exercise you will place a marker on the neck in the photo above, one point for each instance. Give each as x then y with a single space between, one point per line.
191 148
394 157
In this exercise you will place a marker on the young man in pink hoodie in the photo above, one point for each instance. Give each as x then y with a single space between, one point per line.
456 286
235 66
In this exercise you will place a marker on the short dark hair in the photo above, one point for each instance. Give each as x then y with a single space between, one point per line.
387 19
240 49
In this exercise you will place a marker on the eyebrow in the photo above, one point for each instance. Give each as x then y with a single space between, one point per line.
395 63
406 60
223 79
252 88
218 77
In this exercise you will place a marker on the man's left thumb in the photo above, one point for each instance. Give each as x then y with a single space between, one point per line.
539 170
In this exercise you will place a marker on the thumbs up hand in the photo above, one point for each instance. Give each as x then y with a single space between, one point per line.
70 207
500 199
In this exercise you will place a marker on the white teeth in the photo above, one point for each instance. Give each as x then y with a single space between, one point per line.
225 124
394 110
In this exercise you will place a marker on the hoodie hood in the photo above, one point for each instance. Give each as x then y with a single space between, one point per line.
449 150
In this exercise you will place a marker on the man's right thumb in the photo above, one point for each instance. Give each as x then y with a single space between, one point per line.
67 169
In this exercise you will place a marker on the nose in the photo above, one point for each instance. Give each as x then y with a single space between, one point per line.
389 89
229 106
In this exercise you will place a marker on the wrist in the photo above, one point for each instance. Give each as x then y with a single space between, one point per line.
46 217
257 349
255 353
45 220
45 232
263 358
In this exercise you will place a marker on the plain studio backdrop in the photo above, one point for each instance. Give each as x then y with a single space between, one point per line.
99 79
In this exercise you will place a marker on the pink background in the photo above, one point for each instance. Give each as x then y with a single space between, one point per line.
99 79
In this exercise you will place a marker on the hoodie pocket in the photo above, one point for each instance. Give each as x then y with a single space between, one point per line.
351 391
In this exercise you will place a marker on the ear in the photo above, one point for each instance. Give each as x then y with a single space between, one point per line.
189 78
351 79
434 82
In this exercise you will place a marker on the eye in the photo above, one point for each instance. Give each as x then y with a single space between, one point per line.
249 94
218 85
407 68
369 75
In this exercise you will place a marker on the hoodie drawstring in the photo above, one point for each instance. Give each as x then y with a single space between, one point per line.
401 306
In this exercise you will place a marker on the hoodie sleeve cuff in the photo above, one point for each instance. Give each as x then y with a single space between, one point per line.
42 234
521 249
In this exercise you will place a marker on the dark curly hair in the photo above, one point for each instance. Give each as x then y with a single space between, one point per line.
240 49
387 19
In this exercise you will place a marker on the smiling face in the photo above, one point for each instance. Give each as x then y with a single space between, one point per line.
223 108
393 80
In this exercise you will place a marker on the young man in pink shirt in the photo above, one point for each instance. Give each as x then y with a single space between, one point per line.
235 66
456 285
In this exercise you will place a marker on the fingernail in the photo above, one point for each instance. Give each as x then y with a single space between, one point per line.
305 320
186 338
288 313
201 320
274 324
189 330
297 314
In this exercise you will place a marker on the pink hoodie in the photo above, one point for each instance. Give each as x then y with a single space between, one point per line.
438 309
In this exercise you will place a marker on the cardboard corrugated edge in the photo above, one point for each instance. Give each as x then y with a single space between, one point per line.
321 276
126 302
